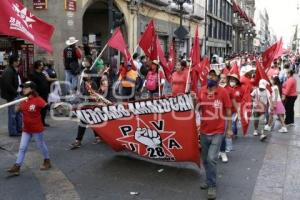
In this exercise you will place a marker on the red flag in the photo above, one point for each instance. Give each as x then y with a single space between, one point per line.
279 49
171 61
203 70
148 40
135 127
195 51
246 108
269 55
117 42
261 74
161 57
16 20
235 69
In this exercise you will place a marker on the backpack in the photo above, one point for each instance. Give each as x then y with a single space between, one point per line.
152 81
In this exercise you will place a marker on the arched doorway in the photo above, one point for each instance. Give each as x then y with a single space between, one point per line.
95 26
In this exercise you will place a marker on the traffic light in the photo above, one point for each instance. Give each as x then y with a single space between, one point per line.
118 19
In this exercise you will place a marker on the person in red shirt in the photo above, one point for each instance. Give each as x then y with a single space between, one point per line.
247 79
215 110
289 96
33 127
179 78
226 145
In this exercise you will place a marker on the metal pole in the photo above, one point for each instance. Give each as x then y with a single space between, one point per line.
110 22
205 28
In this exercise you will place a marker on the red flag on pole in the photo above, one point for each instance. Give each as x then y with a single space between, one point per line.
261 74
162 59
171 61
246 108
16 20
269 55
203 70
117 42
195 51
148 40
279 49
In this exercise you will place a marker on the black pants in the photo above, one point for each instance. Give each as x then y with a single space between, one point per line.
81 132
289 109
128 94
44 110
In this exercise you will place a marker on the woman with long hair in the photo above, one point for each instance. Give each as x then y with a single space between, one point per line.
278 108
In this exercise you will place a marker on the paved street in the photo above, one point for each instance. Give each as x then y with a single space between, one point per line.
258 171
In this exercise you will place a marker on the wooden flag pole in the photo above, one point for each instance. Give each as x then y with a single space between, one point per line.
188 78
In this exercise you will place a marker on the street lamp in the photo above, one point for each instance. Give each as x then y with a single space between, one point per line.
181 32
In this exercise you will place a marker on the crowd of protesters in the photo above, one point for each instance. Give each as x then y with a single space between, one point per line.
225 88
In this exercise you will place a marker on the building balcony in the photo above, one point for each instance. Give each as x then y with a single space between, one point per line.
199 11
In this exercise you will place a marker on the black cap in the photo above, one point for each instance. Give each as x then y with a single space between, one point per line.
29 84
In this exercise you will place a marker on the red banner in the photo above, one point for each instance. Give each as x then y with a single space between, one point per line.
16 20
162 129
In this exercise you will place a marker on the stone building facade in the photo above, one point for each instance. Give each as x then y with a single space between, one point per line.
243 25
92 21
219 27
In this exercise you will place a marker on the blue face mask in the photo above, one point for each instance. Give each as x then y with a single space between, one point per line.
211 83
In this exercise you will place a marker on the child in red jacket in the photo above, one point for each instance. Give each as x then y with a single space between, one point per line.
33 127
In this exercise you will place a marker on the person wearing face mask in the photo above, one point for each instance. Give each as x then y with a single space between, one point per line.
226 145
10 89
215 110
262 99
89 79
179 78
238 92
247 79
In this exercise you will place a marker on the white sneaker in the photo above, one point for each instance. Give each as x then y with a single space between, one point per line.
224 157
283 130
267 128
263 137
255 133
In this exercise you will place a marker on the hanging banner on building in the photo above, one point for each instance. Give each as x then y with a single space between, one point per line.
70 5
160 129
40 4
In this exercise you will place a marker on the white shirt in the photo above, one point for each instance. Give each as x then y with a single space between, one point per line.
263 96
275 94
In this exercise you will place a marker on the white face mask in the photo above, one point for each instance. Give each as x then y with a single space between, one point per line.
222 85
232 83
83 64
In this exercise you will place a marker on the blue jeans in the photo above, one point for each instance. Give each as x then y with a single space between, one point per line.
39 139
71 79
210 147
14 121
